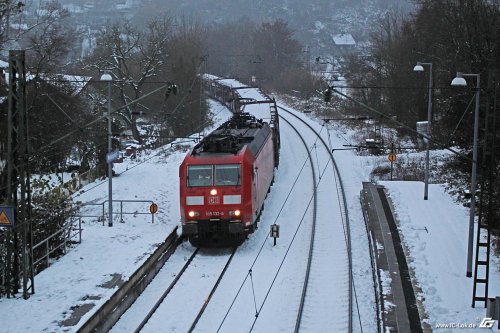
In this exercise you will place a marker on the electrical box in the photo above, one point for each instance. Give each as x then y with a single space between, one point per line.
422 129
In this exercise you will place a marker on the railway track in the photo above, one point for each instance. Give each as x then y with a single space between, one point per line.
171 311
313 228
210 265
304 248
341 198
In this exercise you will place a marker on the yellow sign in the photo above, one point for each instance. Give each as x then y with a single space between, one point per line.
6 218
153 208
392 157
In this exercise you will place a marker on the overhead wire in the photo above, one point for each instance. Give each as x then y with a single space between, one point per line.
265 240
202 125
51 144
460 121
292 241
344 212
330 145
162 150
263 244
402 125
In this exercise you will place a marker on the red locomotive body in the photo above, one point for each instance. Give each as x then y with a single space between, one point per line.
224 180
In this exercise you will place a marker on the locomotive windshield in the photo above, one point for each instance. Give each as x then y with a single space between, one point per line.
227 174
199 175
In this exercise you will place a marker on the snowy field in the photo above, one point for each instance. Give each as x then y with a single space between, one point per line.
437 256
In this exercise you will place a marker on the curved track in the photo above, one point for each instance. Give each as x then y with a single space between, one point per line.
313 229
341 197
306 306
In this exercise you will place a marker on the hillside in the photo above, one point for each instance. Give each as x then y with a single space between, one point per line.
313 21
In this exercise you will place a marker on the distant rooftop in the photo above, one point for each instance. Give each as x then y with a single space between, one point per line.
343 39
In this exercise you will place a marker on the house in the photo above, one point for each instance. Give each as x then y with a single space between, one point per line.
343 44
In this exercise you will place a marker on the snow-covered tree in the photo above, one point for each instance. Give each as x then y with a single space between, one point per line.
134 58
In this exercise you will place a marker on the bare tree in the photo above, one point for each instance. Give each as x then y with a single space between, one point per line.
49 43
230 49
9 11
454 36
278 49
46 44
187 112
133 58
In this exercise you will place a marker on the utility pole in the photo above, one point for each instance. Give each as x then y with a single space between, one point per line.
18 176
487 196
107 77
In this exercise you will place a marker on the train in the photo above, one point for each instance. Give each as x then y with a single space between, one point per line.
225 178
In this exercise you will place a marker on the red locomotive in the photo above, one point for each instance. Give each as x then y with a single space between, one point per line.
225 178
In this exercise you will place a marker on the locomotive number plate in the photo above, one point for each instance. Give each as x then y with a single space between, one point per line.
213 200
211 214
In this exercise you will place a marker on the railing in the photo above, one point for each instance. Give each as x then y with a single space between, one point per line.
68 233
121 212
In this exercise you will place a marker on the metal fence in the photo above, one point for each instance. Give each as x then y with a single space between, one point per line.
58 243
45 251
124 210
59 240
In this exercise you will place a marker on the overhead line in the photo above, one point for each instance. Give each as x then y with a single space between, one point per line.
439 144
99 119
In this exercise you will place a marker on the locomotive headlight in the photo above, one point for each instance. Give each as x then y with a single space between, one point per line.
213 191
193 213
235 213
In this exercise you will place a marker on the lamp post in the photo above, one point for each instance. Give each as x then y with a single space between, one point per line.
460 81
419 68
107 77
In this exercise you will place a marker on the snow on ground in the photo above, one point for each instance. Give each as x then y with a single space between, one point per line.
437 256
435 235
104 250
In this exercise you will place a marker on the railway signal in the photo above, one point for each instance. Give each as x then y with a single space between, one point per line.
275 232
327 95
171 89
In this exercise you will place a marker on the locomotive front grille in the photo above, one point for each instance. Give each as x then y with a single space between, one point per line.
212 226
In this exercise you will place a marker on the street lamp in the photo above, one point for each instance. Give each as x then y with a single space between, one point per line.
107 77
419 68
459 80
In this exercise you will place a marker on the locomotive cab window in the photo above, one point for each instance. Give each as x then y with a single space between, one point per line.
227 174
199 175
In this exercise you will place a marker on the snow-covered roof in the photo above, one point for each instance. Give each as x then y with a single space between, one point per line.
19 26
4 64
77 82
343 39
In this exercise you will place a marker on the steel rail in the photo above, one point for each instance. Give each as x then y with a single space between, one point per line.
313 230
209 297
347 224
166 292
